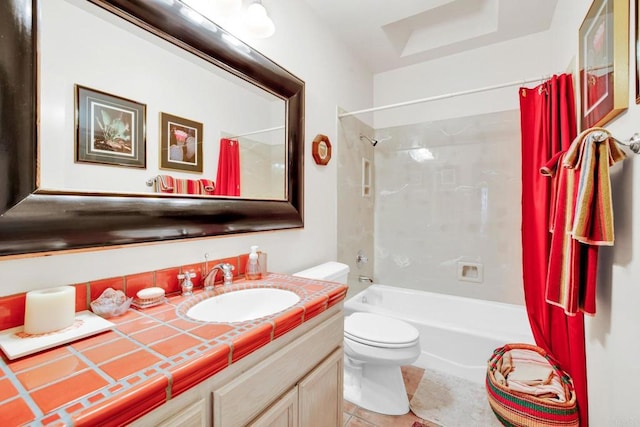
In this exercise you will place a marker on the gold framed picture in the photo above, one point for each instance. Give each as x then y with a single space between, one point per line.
604 62
180 143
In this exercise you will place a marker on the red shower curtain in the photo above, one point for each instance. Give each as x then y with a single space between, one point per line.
228 177
548 125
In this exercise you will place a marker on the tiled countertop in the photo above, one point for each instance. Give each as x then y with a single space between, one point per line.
149 357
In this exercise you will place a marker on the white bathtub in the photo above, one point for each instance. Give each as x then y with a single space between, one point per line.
457 334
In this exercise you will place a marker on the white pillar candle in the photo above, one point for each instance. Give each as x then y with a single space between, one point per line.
49 310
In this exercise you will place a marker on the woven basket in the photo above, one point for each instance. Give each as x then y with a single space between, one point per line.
519 409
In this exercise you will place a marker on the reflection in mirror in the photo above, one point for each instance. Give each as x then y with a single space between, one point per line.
262 163
191 105
40 211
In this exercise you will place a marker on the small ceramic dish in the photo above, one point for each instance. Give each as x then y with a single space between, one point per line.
111 303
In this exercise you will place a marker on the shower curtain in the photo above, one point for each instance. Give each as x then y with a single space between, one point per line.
228 176
548 125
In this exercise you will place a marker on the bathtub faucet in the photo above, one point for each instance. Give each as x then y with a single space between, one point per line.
227 274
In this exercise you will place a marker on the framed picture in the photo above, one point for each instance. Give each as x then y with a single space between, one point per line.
109 129
180 143
604 63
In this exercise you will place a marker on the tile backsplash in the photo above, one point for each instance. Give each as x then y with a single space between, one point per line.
12 306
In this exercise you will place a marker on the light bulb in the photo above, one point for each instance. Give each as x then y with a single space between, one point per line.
226 8
258 22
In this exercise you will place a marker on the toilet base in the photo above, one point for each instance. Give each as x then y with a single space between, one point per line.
378 388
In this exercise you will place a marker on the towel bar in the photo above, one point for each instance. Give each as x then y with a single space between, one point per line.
633 143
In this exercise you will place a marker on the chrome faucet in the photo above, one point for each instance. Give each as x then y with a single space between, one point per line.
227 274
186 285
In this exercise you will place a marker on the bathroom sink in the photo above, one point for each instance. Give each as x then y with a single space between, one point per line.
242 305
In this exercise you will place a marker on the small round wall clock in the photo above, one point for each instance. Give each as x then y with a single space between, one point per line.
321 149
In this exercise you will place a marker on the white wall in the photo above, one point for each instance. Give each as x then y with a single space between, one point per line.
612 335
333 77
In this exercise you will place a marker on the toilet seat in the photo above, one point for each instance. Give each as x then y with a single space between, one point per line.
380 331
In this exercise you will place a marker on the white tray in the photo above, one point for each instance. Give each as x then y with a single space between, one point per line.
15 343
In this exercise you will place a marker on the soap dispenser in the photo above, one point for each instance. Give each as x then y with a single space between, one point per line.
253 270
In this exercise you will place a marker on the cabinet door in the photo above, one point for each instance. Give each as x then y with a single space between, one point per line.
193 415
320 393
283 413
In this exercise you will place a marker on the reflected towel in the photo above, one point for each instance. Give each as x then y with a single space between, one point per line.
165 184
208 186
187 186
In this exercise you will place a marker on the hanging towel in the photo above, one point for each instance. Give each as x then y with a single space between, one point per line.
581 218
170 185
164 184
187 186
591 158
208 186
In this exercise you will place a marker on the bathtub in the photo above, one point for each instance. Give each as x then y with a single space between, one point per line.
457 334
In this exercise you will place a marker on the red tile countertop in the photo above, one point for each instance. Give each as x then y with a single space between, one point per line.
147 358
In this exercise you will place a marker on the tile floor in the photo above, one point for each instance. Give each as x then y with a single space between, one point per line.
354 416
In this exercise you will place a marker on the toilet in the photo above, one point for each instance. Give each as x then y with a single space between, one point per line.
375 347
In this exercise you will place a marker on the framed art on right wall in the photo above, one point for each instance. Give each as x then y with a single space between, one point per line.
604 62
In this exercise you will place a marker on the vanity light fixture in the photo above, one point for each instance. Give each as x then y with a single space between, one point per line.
252 20
257 21
227 8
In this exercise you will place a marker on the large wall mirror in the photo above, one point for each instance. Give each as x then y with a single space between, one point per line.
129 121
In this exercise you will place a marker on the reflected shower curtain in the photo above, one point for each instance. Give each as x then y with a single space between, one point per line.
228 177
548 125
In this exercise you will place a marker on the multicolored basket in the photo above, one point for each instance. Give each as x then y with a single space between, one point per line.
517 409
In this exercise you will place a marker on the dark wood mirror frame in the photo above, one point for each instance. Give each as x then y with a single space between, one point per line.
33 221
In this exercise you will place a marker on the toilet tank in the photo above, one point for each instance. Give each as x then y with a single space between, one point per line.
331 271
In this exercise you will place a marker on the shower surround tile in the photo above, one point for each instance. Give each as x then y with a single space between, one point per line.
355 211
445 192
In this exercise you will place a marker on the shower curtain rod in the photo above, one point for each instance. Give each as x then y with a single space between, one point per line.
256 132
633 143
445 96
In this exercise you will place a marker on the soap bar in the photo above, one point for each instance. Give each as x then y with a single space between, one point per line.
150 293
49 310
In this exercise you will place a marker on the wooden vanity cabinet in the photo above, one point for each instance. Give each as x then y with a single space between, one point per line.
320 393
193 415
314 401
295 380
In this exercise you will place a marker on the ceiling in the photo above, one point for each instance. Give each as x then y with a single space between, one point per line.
391 34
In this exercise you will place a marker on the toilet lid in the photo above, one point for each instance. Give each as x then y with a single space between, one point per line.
380 331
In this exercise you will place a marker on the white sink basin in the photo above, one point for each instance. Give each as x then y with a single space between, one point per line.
242 305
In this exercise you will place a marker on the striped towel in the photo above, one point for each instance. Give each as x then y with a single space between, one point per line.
187 186
591 157
208 186
165 184
170 185
581 218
